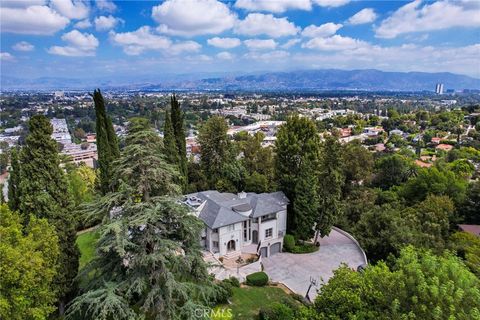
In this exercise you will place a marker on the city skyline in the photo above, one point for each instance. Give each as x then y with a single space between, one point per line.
87 39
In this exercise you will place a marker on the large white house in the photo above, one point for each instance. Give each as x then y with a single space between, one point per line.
244 222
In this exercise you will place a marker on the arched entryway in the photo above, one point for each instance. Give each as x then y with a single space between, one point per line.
254 236
231 245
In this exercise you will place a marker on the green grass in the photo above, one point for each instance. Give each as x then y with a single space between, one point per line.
247 301
86 244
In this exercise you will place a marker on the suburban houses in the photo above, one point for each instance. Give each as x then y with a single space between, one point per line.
244 222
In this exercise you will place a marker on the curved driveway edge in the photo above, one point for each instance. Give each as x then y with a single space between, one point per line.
295 270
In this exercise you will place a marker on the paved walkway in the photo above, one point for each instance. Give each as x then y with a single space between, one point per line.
295 270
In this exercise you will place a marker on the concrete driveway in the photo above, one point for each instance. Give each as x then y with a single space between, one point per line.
295 270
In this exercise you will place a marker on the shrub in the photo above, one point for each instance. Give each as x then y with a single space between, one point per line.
277 311
305 248
289 245
258 279
224 292
252 259
288 242
232 281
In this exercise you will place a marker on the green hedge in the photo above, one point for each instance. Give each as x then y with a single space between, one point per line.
288 242
305 248
289 245
258 279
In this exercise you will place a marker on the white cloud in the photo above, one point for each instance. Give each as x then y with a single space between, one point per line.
277 6
257 44
408 57
325 30
189 18
224 55
334 43
257 24
224 43
413 17
136 42
141 40
23 46
268 56
366 15
104 23
5 56
290 43
21 4
331 3
185 46
72 9
78 45
106 5
36 20
83 24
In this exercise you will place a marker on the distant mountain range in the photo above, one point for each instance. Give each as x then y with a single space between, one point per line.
304 80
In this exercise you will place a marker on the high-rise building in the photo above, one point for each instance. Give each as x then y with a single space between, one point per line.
439 88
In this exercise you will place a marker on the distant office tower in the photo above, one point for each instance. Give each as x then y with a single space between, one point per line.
439 88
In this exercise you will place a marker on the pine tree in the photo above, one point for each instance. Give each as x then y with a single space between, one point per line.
148 262
43 192
331 181
107 143
14 181
169 143
179 132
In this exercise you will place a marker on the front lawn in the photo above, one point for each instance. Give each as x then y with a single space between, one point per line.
86 244
247 301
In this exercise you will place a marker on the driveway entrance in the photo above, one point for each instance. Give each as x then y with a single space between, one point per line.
295 270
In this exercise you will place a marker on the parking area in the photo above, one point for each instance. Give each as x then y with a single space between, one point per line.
295 270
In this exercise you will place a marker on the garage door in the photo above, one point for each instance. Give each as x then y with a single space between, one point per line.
275 248
264 252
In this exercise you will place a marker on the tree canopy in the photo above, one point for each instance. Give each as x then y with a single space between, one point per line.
419 285
28 265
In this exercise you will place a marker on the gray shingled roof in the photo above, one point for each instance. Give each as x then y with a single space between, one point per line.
219 209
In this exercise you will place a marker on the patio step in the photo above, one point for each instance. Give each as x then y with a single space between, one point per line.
232 255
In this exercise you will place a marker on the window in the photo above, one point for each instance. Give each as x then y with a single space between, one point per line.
215 244
245 235
268 233
268 217
255 220
215 231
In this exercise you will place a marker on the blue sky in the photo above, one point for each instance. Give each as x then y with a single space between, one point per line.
135 39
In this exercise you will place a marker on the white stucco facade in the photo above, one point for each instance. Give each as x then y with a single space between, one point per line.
263 234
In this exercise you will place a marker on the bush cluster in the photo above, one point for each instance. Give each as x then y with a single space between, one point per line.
226 289
290 245
284 310
258 279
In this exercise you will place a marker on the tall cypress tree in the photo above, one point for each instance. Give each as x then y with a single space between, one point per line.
43 192
179 132
297 141
107 143
14 181
169 143
331 181
306 203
